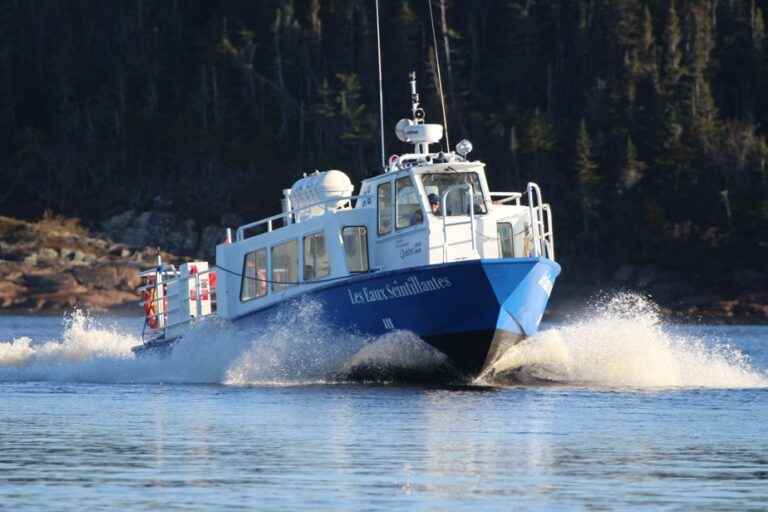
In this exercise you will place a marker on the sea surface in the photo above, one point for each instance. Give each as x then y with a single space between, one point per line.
614 409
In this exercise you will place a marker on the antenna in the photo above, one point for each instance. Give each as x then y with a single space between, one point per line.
416 111
381 88
439 76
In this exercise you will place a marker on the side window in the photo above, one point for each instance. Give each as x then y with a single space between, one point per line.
254 275
356 248
316 264
506 240
407 204
385 208
285 265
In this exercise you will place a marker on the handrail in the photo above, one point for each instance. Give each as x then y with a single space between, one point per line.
549 234
534 217
541 223
444 213
508 197
239 236
163 313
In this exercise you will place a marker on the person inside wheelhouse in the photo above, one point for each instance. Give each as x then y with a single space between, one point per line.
458 200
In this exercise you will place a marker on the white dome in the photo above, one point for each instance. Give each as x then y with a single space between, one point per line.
331 188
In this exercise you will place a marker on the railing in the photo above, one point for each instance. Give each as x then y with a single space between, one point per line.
163 307
541 223
549 234
240 235
508 197
444 212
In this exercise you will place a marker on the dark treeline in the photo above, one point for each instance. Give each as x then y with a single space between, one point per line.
643 120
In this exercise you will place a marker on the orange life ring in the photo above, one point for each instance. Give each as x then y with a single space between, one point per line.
150 309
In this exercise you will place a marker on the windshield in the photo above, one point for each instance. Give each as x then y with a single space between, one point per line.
457 203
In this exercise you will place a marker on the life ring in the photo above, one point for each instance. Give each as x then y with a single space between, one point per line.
150 309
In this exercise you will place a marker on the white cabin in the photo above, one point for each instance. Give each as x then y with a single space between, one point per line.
389 225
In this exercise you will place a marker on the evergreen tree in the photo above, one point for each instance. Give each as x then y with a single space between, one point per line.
587 177
672 55
136 96
633 169
540 141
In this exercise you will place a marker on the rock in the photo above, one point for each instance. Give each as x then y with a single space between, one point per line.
128 278
105 278
154 229
48 254
46 283
9 255
117 224
11 294
119 251
99 243
81 258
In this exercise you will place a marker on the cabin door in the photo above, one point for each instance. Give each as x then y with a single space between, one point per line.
401 231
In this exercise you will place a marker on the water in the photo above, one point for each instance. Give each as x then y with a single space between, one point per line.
614 411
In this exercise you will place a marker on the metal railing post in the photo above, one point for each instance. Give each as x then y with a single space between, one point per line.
534 220
198 306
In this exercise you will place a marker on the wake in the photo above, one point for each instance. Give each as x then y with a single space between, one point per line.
620 344
623 344
292 348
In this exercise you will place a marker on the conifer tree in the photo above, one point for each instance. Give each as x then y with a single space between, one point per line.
633 169
540 140
647 103
672 55
587 177
701 104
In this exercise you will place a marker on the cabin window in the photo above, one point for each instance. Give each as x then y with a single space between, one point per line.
385 208
356 248
254 275
285 265
506 240
316 263
407 204
458 200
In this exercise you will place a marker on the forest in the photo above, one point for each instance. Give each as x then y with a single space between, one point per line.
644 121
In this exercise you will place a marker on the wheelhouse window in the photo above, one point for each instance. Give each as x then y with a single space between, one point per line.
316 263
254 282
285 265
356 248
384 195
407 204
458 199
506 240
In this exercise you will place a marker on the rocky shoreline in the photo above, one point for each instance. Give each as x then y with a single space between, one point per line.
56 264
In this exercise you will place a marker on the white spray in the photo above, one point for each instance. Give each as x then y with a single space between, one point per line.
623 344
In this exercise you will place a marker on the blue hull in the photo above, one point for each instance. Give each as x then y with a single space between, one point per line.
464 309
459 308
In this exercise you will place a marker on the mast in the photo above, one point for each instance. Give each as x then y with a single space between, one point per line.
381 89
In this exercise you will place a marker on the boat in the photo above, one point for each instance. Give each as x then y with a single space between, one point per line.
424 246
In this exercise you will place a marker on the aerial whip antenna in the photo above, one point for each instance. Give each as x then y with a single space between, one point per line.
439 77
381 88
